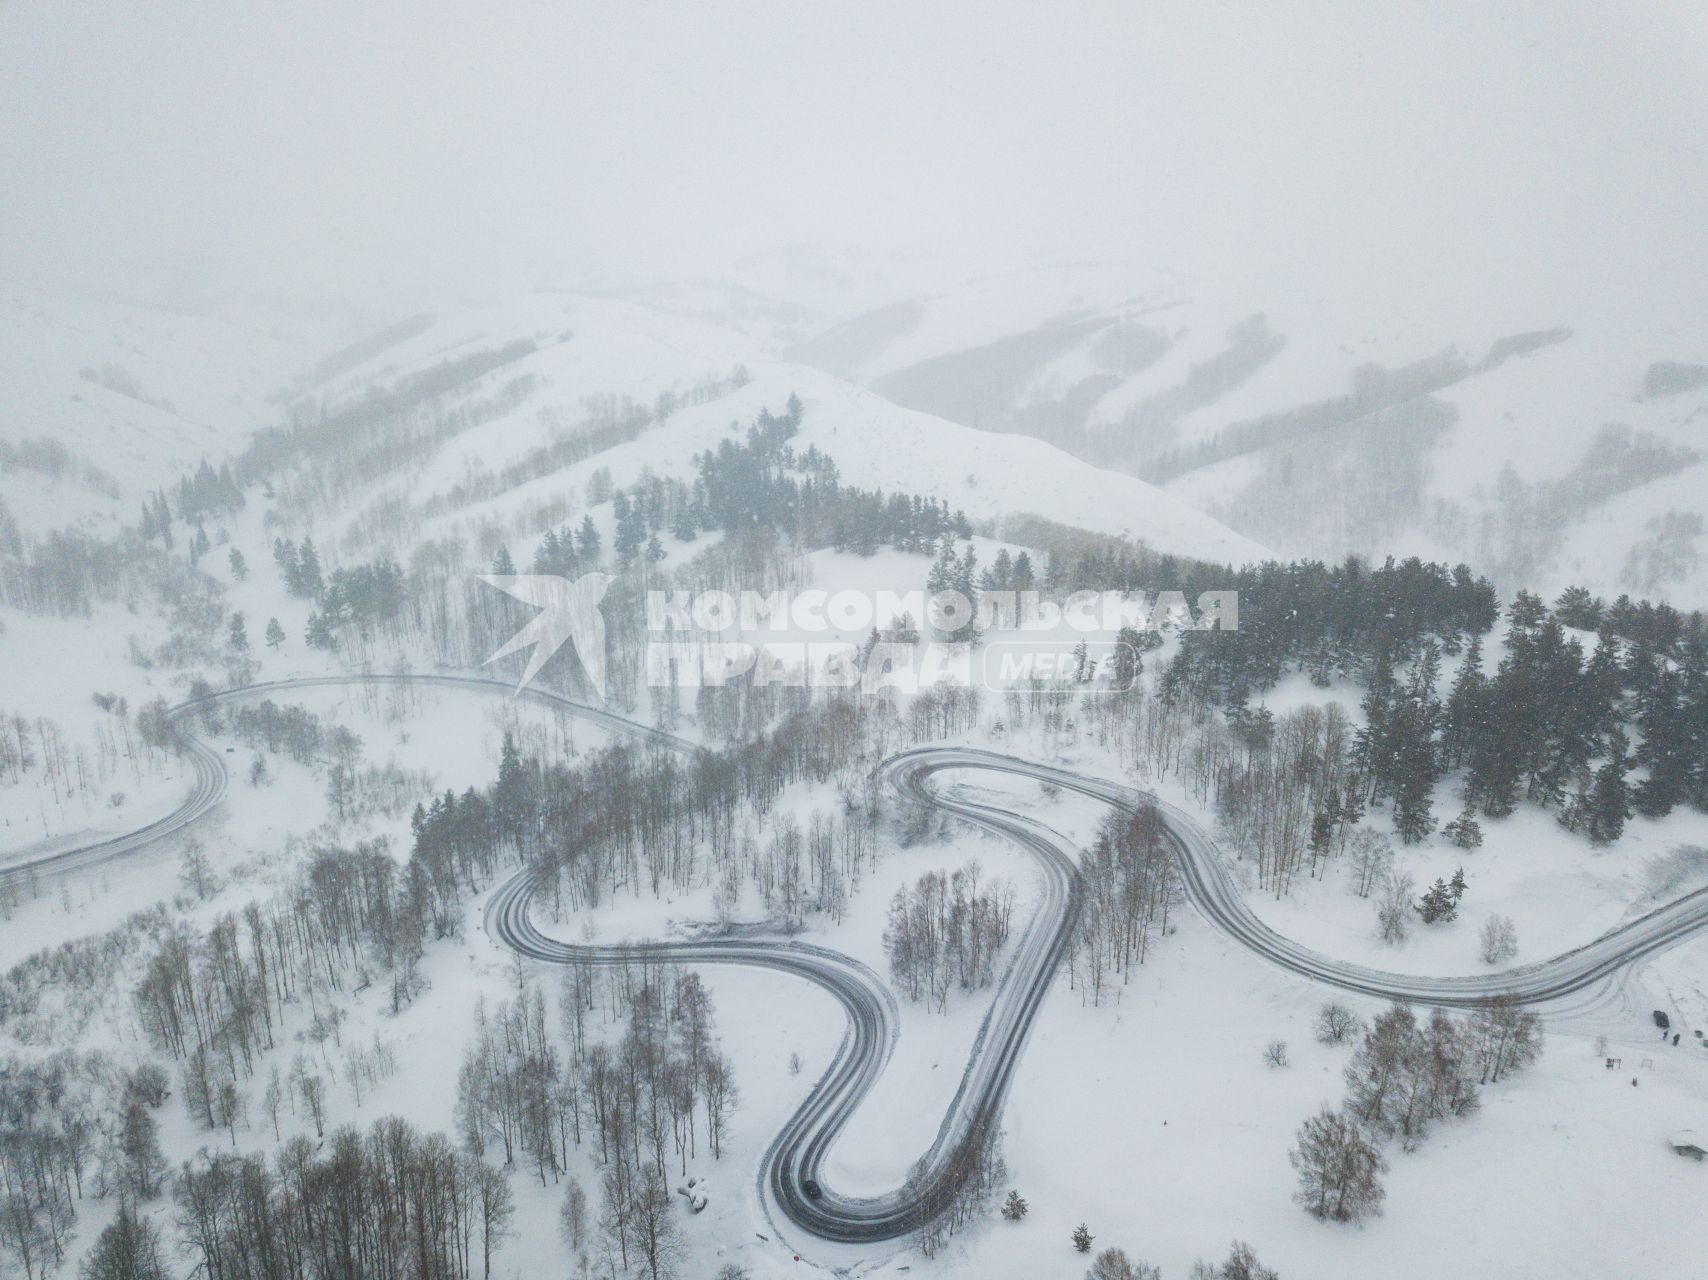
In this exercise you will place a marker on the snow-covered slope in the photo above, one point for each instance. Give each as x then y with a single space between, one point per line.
575 364
878 445
1547 449
104 402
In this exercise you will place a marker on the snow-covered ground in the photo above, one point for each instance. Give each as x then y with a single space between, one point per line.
1153 1118
140 394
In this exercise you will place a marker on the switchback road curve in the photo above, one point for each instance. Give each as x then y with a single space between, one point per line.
1213 890
796 1156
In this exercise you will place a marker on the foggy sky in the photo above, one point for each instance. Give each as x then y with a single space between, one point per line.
1438 153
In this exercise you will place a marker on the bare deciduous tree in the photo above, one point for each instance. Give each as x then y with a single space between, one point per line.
1498 941
1336 1024
1394 908
1339 1168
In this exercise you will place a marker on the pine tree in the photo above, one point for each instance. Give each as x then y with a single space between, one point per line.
941 576
587 540
1465 708
239 567
319 633
942 583
631 529
239 634
1129 658
1082 1238
1014 1208
275 633
1322 834
545 555
967 577
1577 609
1023 580
1441 903
1464 831
309 583
1609 801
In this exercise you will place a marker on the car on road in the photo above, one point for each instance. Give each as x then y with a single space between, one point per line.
813 1190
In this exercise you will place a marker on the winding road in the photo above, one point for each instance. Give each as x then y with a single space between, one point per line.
796 1156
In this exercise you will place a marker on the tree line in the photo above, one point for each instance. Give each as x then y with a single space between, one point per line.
947 931
388 1204
1404 1076
627 819
1128 883
72 1125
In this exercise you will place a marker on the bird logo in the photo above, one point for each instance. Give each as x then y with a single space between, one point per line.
569 611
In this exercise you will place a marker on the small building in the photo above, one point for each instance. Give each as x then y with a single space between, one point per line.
1687 1142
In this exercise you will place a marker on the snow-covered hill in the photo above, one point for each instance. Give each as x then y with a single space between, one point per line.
559 368
104 402
1547 449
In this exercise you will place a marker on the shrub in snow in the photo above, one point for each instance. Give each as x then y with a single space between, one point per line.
1336 1024
1242 1264
1499 941
1114 1264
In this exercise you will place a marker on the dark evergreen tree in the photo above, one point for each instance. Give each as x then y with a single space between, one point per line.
1577 609
1023 579
309 584
319 633
587 541
1464 831
1609 800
